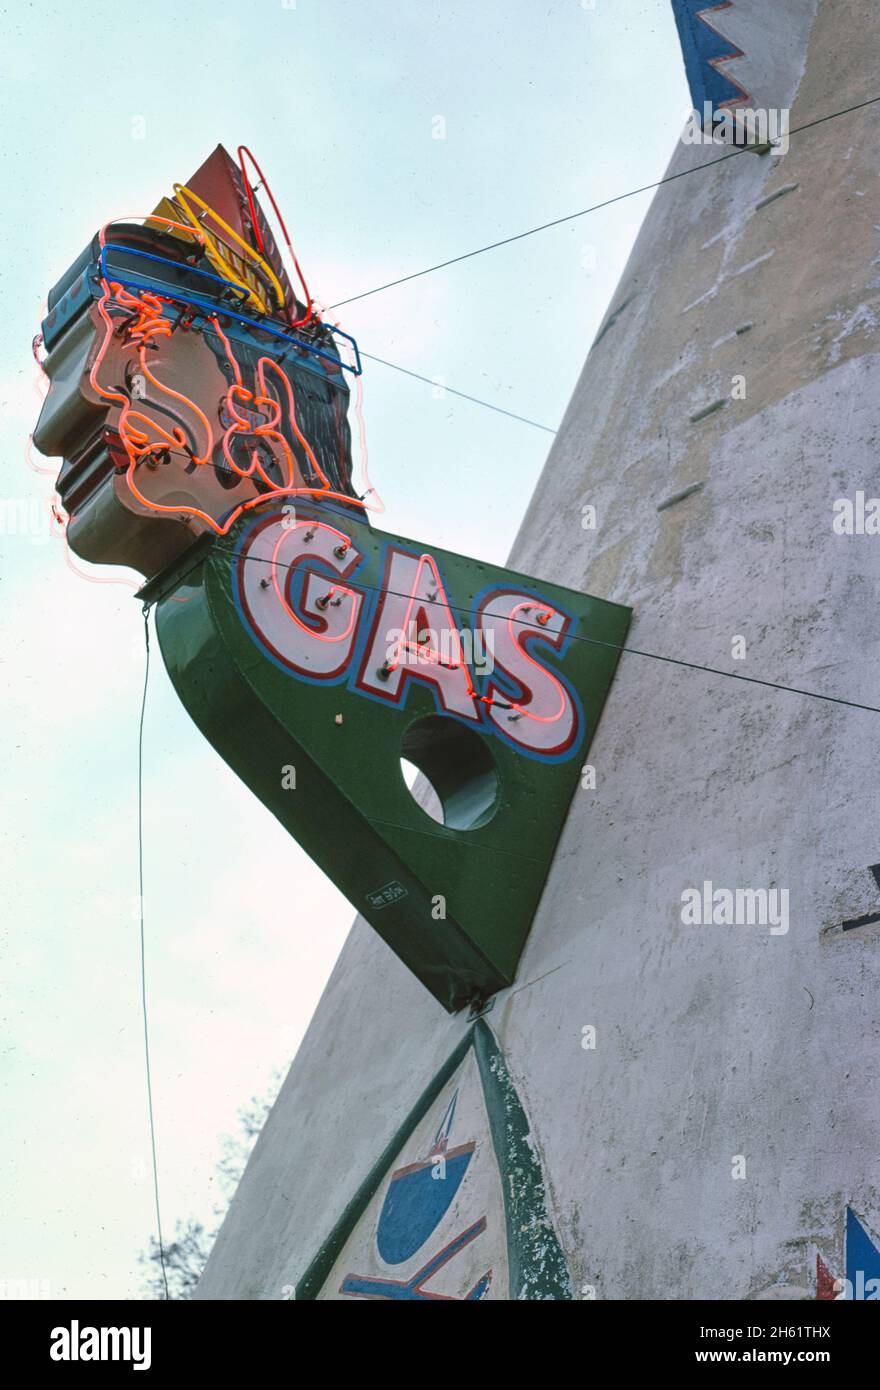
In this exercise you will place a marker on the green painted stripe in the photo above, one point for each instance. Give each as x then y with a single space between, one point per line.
536 1264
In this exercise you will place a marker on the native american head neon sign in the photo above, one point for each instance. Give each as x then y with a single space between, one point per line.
201 409
187 384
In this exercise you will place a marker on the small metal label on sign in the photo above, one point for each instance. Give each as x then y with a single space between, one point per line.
391 893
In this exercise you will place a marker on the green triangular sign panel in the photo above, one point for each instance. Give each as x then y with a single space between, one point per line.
314 652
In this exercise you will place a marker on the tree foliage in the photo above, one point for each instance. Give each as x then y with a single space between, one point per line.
186 1254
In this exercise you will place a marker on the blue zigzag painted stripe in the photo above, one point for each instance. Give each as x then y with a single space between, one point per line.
703 48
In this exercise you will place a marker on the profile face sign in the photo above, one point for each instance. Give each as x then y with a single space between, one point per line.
186 382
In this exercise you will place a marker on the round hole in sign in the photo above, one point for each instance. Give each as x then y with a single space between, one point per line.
459 785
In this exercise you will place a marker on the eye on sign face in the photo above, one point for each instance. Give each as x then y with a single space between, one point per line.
403 628
323 658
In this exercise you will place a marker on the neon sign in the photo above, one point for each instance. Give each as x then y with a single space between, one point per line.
200 406
324 630
187 383
311 640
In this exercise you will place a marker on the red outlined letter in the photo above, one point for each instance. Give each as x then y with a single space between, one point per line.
540 715
413 603
301 615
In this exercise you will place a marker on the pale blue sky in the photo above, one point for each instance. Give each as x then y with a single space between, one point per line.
548 107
